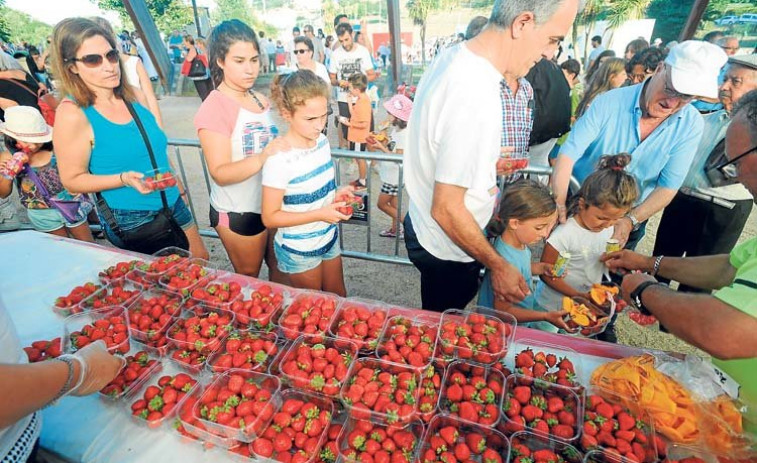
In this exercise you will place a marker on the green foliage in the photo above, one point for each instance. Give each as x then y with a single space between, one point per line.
167 14
419 11
621 11
18 27
242 10
670 17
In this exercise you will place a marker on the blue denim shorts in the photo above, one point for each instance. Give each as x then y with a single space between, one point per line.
47 220
289 262
130 219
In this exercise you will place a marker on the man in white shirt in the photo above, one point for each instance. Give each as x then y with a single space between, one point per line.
349 58
319 54
455 133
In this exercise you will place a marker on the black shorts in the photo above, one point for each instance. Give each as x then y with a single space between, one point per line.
344 110
241 223
360 147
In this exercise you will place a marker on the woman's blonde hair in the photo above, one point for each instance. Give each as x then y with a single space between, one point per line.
292 90
68 37
600 82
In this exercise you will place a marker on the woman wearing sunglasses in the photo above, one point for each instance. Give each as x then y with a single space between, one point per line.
304 51
102 149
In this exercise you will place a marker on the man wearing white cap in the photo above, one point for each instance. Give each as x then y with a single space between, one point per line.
708 214
653 122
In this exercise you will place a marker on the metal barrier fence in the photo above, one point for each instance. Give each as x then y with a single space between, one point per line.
396 257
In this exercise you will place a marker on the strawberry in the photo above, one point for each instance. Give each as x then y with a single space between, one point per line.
158 401
305 364
138 366
407 342
522 394
555 404
360 323
476 336
309 314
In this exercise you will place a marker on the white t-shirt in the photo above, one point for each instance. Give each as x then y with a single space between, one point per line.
454 137
130 66
323 73
390 171
345 63
248 133
307 178
584 268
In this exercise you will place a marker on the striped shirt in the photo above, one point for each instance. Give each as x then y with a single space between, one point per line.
307 178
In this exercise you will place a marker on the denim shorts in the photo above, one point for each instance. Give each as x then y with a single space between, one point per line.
47 220
289 262
130 219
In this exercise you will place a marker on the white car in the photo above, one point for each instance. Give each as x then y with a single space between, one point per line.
727 20
748 18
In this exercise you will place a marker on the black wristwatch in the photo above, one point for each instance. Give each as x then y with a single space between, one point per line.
636 296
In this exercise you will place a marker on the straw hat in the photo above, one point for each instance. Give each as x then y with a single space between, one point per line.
25 123
399 106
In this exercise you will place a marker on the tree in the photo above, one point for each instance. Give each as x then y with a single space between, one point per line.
167 14
243 11
670 17
621 11
5 31
594 10
16 26
419 11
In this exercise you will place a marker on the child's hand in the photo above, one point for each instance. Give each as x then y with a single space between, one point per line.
332 213
344 120
344 84
277 145
556 318
546 269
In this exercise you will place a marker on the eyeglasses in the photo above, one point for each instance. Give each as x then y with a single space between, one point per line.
300 52
95 60
670 91
729 169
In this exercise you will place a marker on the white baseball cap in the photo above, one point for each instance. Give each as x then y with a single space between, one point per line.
695 67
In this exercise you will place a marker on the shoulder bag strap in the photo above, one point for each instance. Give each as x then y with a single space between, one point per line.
145 138
14 81
37 181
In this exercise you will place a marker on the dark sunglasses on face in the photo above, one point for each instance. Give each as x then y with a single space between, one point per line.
729 169
300 52
95 60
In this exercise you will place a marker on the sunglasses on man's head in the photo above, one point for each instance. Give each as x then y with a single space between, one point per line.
729 169
95 60
300 52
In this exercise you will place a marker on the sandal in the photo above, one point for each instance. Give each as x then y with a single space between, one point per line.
388 233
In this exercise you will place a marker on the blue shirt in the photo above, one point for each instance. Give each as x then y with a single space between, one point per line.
520 259
611 126
715 126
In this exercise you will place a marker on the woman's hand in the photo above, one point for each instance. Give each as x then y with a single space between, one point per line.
134 180
277 145
330 213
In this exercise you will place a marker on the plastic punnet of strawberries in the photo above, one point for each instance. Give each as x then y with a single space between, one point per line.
359 322
479 335
407 342
160 399
365 441
448 440
546 366
309 314
152 313
69 304
319 367
117 271
472 393
138 367
252 351
110 327
202 333
257 311
184 278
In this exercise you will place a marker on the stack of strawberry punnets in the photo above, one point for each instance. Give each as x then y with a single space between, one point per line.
319 367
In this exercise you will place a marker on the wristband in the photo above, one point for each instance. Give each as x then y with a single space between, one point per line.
656 267
69 361
121 177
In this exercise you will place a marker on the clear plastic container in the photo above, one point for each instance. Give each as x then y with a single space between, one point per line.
463 374
641 417
157 347
380 411
183 279
389 347
260 305
361 322
270 385
184 336
294 372
217 293
431 389
111 295
494 442
350 450
140 279
294 321
323 404
455 321
117 270
141 309
258 358
166 416
572 401
78 325
545 349
603 319
164 260
117 388
71 303
159 179
523 441
191 429
191 361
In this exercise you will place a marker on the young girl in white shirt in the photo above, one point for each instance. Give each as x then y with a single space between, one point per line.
604 198
299 188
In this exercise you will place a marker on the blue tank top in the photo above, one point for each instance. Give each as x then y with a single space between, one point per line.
120 148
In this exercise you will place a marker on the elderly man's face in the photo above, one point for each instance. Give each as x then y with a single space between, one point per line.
738 81
662 100
737 142
542 41
730 46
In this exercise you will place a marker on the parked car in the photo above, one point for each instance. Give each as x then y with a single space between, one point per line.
748 18
727 20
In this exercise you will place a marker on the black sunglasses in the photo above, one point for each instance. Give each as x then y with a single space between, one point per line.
95 60
300 52
728 168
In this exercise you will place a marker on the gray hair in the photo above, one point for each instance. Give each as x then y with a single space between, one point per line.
9 63
747 105
504 12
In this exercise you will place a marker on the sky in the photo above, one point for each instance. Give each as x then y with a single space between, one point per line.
52 11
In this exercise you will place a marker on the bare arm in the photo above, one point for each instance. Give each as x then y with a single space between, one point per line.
560 181
449 211
149 93
13 74
527 315
71 138
701 320
274 217
655 202
334 80
6 186
706 272
549 256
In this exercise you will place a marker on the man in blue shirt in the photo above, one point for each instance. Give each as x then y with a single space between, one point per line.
653 122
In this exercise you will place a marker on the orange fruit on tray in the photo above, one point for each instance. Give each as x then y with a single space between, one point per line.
601 293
